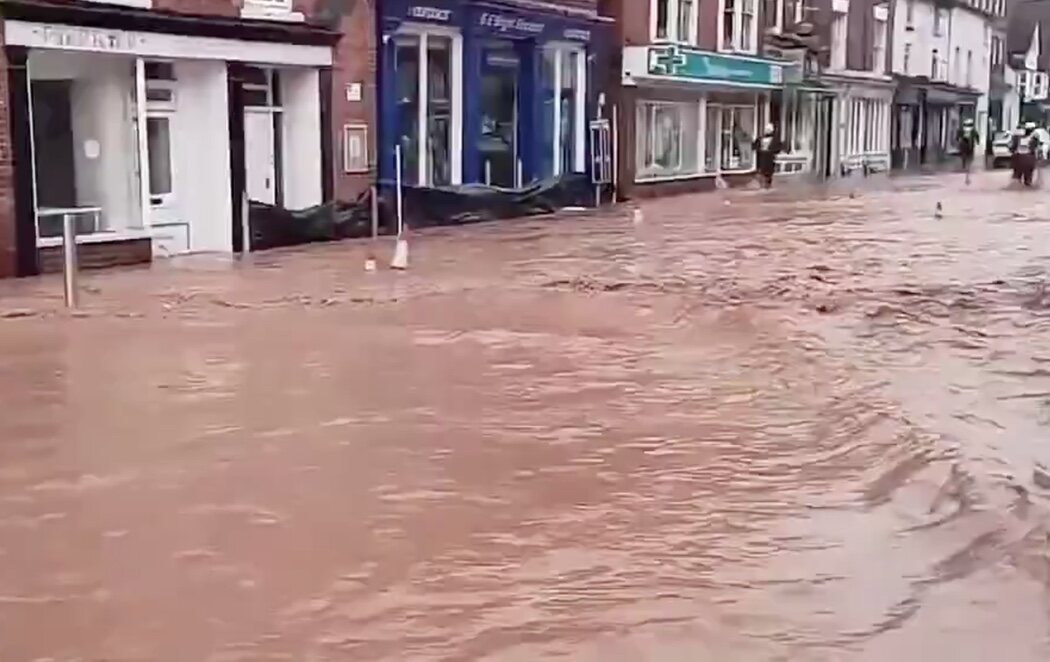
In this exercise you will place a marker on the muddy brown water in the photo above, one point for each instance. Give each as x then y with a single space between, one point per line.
752 427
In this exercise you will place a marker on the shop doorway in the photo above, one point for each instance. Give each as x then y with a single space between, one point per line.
262 136
499 153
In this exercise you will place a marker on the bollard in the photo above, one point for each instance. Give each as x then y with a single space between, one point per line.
69 258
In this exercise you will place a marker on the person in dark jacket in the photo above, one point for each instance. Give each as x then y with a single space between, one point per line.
1024 148
966 141
766 147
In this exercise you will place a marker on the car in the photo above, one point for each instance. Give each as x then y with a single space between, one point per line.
1001 146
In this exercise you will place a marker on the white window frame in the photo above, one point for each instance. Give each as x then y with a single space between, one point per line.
778 20
673 11
560 49
878 43
683 107
939 16
839 24
455 148
738 13
736 108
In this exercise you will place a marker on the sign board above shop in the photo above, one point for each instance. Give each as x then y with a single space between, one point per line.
692 65
488 20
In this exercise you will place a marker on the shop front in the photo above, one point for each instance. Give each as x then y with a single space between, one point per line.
691 117
131 134
863 109
474 92
926 119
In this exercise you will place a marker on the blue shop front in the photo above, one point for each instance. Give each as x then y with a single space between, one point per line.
483 92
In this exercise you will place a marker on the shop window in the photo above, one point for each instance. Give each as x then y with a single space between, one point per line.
739 31
426 71
673 20
563 69
667 135
85 142
797 123
737 135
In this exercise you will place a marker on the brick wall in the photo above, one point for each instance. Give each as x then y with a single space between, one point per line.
632 21
354 61
99 255
7 197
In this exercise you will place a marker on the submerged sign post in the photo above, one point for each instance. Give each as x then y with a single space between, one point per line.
601 156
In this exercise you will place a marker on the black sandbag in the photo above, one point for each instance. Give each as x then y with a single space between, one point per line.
473 203
272 226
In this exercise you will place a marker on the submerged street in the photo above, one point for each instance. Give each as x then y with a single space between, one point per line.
756 426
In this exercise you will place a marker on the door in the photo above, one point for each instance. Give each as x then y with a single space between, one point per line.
260 162
499 117
170 232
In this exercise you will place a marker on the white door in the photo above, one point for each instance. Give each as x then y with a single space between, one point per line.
170 231
259 161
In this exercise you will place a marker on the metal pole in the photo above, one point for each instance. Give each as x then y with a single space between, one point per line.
400 220
375 213
69 258
246 225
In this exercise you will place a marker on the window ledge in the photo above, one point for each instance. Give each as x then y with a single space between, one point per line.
97 237
271 14
656 179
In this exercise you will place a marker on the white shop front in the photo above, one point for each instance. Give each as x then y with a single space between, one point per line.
132 133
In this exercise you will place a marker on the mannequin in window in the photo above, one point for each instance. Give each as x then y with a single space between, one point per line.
766 148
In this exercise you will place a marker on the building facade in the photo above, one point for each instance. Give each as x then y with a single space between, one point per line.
153 122
499 93
943 64
692 92
1028 56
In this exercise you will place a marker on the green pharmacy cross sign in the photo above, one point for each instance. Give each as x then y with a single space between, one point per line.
691 64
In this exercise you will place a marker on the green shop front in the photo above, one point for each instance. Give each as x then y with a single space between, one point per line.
691 116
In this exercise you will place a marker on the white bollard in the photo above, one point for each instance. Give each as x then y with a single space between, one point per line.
400 259
69 258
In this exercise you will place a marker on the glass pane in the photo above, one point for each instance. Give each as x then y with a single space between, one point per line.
667 137
661 18
160 71
406 67
685 19
711 139
499 115
255 97
569 62
547 65
439 110
158 142
690 114
727 24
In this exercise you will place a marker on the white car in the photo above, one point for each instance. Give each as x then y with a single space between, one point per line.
1001 147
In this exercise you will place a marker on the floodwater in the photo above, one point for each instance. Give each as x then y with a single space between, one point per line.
753 427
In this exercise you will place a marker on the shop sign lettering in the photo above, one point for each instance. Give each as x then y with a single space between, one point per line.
577 34
701 65
502 23
87 39
426 13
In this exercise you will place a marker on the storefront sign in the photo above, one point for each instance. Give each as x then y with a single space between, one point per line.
700 65
427 13
61 36
575 34
509 24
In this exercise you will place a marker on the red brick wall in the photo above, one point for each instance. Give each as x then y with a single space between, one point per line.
7 196
99 255
354 61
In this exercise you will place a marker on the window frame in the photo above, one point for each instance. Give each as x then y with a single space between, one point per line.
737 33
674 8
422 31
878 45
560 49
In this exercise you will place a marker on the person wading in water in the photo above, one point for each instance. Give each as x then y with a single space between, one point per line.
966 141
1024 148
767 146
